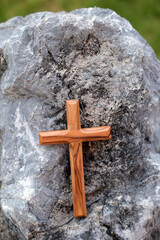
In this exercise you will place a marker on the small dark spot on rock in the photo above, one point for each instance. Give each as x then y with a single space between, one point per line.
112 73
120 58
147 139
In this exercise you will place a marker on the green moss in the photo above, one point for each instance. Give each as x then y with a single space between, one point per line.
144 15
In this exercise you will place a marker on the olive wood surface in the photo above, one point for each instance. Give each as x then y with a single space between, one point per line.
75 135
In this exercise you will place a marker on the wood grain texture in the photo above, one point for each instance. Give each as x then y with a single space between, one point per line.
75 135
70 136
76 161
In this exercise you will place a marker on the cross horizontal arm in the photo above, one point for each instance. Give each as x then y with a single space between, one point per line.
72 136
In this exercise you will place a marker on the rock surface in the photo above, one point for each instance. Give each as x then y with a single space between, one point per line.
95 56
6 233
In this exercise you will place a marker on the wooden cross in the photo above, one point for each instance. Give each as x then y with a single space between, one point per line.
75 135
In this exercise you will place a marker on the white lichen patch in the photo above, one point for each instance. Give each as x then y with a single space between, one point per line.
18 120
34 143
21 122
27 188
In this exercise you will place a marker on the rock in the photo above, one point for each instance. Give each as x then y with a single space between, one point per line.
6 233
95 56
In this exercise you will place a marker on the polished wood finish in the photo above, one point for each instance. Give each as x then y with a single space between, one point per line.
69 136
76 160
75 135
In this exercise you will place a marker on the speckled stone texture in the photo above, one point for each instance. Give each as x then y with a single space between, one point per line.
6 233
95 56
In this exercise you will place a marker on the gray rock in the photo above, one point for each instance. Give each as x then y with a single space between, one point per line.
6 233
95 56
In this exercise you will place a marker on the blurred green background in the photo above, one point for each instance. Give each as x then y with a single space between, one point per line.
144 15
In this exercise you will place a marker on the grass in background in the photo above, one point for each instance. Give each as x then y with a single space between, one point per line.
144 15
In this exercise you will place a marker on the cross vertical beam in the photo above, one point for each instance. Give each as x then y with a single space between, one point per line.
76 161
